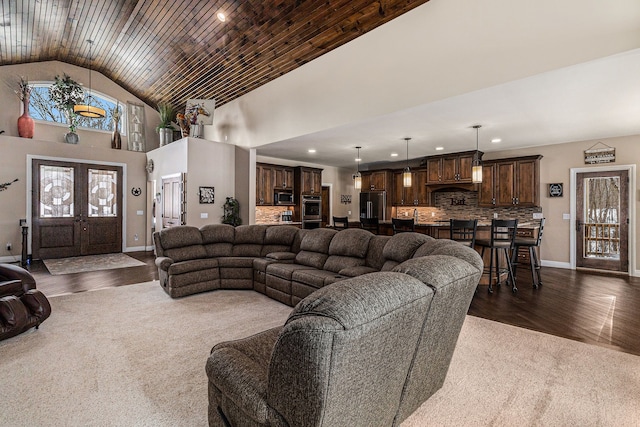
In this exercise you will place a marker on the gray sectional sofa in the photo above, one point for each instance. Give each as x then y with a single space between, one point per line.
372 334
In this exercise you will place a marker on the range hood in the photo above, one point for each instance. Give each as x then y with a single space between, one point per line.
453 187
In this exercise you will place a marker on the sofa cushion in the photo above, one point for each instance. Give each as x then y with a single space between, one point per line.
218 239
285 271
352 242
182 243
314 248
402 246
356 271
279 239
281 256
315 278
452 248
375 258
335 263
236 262
193 265
249 240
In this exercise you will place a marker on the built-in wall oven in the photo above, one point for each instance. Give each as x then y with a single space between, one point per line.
311 211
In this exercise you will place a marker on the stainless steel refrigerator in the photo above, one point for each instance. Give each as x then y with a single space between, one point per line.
373 204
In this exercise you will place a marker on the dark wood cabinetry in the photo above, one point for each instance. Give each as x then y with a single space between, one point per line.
308 181
511 182
265 176
283 178
379 180
451 168
416 195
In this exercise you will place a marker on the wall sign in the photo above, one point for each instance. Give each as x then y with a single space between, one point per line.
604 154
206 195
555 190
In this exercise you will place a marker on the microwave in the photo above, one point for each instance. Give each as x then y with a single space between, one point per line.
283 198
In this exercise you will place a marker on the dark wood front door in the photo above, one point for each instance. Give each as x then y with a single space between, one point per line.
76 209
602 220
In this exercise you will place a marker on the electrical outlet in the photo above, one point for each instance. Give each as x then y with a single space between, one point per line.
537 215
135 237
495 215
9 247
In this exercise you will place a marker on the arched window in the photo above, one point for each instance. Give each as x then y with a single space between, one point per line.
42 108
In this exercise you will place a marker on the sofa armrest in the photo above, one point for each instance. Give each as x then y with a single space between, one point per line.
11 287
14 272
37 304
13 314
163 263
281 256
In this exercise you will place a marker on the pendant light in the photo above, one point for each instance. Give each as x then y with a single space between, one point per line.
406 174
88 110
476 165
357 178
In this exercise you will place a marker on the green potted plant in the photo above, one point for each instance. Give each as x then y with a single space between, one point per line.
65 93
231 212
165 128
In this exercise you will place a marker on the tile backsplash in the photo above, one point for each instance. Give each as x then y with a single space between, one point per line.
464 205
270 214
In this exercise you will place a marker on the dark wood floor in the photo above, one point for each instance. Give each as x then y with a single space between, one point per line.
598 309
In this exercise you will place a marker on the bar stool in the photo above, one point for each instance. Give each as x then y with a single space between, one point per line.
531 243
340 222
402 225
503 235
463 231
370 224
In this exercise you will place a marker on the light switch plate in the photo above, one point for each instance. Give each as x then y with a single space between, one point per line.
204 215
140 213
566 216
538 215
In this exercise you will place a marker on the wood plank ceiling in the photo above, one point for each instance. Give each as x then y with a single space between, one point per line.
169 51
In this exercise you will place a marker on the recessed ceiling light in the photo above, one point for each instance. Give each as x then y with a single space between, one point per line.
312 150
496 140
394 154
221 16
439 148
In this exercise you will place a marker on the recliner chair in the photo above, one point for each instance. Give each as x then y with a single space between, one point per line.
22 306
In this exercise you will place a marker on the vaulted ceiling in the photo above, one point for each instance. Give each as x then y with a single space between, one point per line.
171 51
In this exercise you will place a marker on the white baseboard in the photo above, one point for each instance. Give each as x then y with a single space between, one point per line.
138 249
9 259
556 264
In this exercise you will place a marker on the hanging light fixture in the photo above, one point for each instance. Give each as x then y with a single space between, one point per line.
476 165
406 174
88 110
357 178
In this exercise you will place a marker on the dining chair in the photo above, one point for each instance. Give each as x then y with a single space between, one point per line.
534 261
463 231
340 222
501 240
371 224
403 225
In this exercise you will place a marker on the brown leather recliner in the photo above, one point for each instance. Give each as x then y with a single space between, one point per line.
22 306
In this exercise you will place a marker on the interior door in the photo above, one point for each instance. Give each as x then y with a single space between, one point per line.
173 201
602 220
76 209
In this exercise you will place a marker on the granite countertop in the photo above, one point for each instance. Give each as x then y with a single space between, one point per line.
524 224
280 223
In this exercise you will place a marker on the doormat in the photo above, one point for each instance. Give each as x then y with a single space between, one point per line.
81 264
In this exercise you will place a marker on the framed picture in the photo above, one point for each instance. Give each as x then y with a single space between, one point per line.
206 195
555 189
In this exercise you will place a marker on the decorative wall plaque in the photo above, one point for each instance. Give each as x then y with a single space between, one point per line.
136 124
604 154
555 189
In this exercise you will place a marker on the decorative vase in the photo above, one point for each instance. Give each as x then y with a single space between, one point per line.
116 139
26 125
71 138
166 136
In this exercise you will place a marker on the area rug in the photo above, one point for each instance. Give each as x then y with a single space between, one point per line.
83 264
132 356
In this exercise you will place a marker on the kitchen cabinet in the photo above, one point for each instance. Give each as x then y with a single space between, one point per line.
451 168
283 178
308 181
265 175
511 182
416 195
380 180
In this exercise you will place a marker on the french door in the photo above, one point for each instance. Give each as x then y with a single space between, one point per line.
602 220
76 209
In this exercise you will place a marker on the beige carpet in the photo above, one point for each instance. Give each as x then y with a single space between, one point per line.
81 264
132 356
